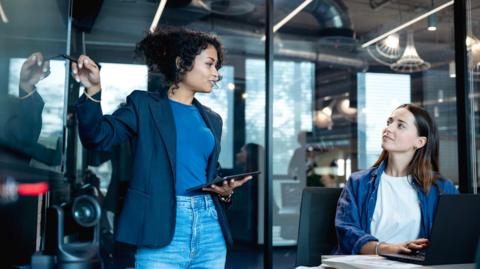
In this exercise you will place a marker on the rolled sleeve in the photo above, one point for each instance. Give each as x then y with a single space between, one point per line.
351 236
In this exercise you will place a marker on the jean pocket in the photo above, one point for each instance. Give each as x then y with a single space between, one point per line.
212 212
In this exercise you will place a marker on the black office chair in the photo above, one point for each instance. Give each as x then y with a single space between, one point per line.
316 232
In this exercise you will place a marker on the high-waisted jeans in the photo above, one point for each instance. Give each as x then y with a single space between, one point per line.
198 241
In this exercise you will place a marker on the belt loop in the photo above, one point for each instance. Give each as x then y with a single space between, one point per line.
205 198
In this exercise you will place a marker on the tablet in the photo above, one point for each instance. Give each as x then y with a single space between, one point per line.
219 180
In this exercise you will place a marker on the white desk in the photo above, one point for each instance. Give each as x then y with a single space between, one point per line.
377 262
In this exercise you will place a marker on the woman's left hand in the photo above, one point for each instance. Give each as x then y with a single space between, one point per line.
226 189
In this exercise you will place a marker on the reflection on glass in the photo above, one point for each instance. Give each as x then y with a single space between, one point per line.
473 50
32 112
292 101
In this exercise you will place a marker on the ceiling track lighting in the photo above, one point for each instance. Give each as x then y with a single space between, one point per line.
3 16
408 23
157 16
289 16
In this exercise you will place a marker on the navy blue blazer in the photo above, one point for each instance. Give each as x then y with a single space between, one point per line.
148 215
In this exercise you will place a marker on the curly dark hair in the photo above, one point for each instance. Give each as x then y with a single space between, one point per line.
161 48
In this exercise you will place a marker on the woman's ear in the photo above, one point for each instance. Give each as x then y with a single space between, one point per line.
178 61
421 142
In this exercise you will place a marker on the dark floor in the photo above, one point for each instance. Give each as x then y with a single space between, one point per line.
252 258
241 257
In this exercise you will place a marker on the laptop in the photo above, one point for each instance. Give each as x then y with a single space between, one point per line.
455 233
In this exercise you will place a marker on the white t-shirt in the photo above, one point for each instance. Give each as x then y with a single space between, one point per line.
397 215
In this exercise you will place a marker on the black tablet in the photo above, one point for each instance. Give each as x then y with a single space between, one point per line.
219 180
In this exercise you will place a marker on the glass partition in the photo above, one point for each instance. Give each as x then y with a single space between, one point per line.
33 83
473 83
239 99
349 89
33 35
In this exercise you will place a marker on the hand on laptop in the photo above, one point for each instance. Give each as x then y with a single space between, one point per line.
407 247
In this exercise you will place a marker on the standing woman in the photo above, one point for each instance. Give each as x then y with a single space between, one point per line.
176 146
389 208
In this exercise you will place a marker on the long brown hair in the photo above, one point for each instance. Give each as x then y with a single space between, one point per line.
424 164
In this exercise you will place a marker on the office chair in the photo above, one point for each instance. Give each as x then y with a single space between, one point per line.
316 231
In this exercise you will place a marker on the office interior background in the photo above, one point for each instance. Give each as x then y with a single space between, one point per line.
304 102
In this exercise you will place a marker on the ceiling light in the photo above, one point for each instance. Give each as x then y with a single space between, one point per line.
410 61
288 17
327 111
158 14
392 41
386 51
322 120
344 107
432 23
3 16
291 15
451 69
408 23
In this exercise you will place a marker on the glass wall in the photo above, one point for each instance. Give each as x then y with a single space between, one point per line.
349 90
239 99
473 74
338 72
32 107
32 84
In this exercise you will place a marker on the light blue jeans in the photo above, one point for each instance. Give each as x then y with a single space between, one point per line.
198 241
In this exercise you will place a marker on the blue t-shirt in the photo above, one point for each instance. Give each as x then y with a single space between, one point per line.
195 143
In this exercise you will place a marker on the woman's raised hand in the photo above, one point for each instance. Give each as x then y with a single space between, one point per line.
34 69
88 73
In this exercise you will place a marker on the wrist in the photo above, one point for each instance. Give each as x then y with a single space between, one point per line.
379 247
225 199
27 87
93 89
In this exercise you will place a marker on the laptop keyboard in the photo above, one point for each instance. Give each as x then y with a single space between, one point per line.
418 255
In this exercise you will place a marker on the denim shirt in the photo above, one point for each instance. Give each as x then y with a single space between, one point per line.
357 203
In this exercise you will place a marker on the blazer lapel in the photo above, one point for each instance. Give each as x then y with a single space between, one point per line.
165 123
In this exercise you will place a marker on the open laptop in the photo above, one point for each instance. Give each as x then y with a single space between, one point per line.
455 233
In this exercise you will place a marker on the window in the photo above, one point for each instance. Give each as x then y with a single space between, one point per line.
292 102
374 110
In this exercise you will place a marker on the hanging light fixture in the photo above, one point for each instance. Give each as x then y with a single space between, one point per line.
387 51
323 117
432 23
410 62
432 20
451 69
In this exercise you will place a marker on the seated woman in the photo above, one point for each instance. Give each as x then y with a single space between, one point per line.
389 208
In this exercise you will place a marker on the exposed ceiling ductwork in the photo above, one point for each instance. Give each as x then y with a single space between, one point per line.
225 7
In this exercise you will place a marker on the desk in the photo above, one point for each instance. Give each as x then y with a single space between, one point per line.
378 262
